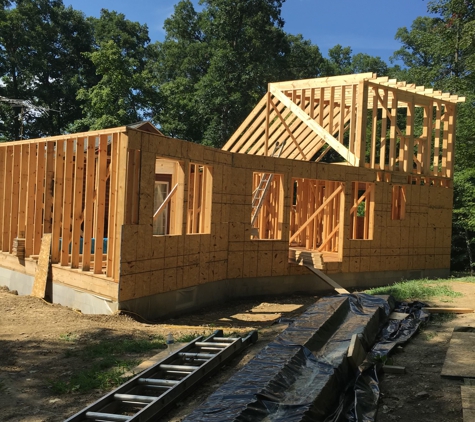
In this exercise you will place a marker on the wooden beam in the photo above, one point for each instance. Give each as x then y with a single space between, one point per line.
120 201
163 205
322 82
7 198
341 149
111 229
77 203
39 195
89 203
288 130
384 128
3 152
100 204
23 190
237 138
30 200
319 209
360 141
409 144
57 200
67 202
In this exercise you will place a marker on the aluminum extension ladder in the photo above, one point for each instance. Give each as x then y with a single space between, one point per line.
264 184
152 393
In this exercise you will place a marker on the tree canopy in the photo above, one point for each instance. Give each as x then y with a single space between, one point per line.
211 69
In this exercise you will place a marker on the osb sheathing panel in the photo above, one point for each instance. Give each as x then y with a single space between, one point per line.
155 264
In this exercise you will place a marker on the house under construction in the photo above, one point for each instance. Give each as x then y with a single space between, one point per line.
350 174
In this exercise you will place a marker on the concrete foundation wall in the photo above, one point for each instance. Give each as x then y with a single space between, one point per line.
196 297
86 302
14 280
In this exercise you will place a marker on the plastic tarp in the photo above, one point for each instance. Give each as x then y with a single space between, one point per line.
298 376
359 401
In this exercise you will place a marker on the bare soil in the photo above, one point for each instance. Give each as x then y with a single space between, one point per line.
35 351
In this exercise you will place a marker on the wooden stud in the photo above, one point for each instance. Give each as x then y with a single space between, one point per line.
57 201
3 152
449 142
23 192
100 204
30 200
111 229
67 201
40 176
384 124
360 141
89 203
392 133
77 220
374 132
15 194
341 126
7 199
427 133
408 159
49 187
120 199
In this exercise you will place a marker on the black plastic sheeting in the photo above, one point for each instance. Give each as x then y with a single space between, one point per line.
359 401
295 377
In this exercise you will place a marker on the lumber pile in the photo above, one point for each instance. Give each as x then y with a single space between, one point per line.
18 248
305 257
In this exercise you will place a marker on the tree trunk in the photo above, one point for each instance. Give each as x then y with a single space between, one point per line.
469 251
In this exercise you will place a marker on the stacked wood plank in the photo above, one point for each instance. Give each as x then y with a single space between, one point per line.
18 248
305 257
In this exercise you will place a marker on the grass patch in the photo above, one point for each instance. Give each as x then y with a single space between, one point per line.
104 375
417 289
428 335
442 318
105 364
464 278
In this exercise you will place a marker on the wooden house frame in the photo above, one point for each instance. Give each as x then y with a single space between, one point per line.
157 226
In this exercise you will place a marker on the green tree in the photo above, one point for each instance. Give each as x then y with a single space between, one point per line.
122 58
41 46
214 65
439 51
342 61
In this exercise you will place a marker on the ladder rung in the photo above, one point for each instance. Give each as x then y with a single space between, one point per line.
107 417
228 339
155 381
135 398
201 344
170 371
182 368
216 349
196 355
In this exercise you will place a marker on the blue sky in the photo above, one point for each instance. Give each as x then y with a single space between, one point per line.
366 26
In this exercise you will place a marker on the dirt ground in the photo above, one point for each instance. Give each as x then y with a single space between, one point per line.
35 349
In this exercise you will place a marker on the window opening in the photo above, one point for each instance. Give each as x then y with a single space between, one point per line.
362 211
168 197
315 214
200 185
398 208
267 206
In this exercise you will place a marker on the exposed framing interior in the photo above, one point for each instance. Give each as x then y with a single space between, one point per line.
130 220
315 215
